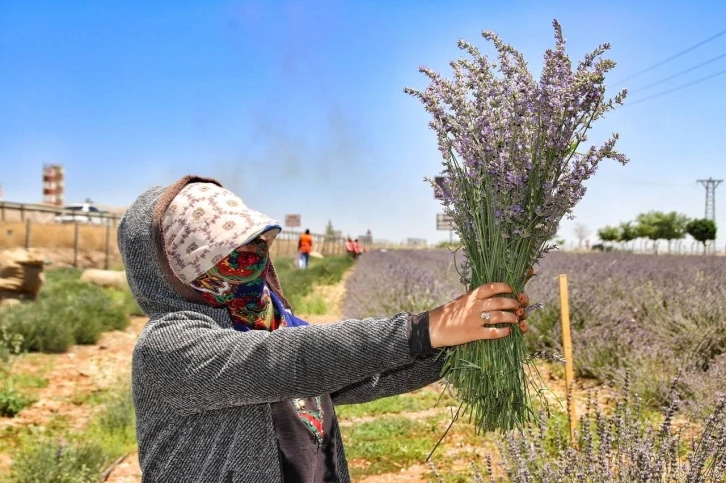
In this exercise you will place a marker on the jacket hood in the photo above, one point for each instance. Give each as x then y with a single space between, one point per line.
151 280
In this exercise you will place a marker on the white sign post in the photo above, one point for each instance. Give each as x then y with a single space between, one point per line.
445 222
292 221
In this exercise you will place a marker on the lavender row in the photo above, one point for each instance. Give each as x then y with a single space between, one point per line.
387 282
654 316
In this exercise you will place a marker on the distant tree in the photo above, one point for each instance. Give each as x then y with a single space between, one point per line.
647 227
628 232
609 234
702 230
656 225
581 232
673 226
329 230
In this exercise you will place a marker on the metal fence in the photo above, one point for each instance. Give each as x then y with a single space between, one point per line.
83 239
92 242
22 212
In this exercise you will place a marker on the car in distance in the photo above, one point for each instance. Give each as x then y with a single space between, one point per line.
83 213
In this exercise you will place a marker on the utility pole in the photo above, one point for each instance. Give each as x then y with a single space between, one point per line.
710 184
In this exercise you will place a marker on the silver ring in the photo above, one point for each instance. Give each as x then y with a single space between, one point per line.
486 315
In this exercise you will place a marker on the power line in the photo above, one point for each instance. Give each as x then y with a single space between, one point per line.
674 56
677 74
646 182
683 86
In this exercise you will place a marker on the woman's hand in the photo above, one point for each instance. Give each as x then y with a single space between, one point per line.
470 316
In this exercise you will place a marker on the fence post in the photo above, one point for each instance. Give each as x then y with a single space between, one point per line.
75 243
27 233
22 212
567 348
2 211
108 243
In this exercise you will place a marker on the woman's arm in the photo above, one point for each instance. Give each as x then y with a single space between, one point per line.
194 365
400 380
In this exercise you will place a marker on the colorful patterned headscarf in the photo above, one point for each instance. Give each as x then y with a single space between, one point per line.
220 247
238 283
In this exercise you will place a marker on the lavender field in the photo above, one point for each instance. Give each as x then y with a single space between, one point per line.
651 316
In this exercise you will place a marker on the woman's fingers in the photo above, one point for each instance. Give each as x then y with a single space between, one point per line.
491 289
499 317
500 303
488 333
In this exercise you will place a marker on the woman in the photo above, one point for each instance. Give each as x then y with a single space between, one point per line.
228 385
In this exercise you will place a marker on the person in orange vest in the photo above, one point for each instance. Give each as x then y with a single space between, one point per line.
304 247
350 248
356 248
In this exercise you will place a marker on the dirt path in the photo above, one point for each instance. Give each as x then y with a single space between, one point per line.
333 296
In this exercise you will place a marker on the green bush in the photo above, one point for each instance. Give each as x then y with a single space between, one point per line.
117 419
41 327
126 299
68 311
60 462
11 401
80 458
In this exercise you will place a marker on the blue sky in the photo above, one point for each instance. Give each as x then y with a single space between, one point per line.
298 106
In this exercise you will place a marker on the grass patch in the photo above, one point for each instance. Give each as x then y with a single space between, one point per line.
420 400
388 444
24 380
59 461
394 440
92 398
12 401
312 303
298 284
13 386
75 457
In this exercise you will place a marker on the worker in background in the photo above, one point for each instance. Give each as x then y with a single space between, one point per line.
349 247
356 248
304 247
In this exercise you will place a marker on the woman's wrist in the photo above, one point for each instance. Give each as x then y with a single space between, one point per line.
419 338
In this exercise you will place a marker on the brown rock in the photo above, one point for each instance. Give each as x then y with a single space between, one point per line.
21 273
105 278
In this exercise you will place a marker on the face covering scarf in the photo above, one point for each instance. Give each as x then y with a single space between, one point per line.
238 283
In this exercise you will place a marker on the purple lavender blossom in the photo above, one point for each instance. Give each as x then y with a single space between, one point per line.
511 148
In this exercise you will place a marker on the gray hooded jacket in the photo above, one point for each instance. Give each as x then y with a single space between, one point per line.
202 391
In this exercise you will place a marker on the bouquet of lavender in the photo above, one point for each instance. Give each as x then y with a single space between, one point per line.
513 170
